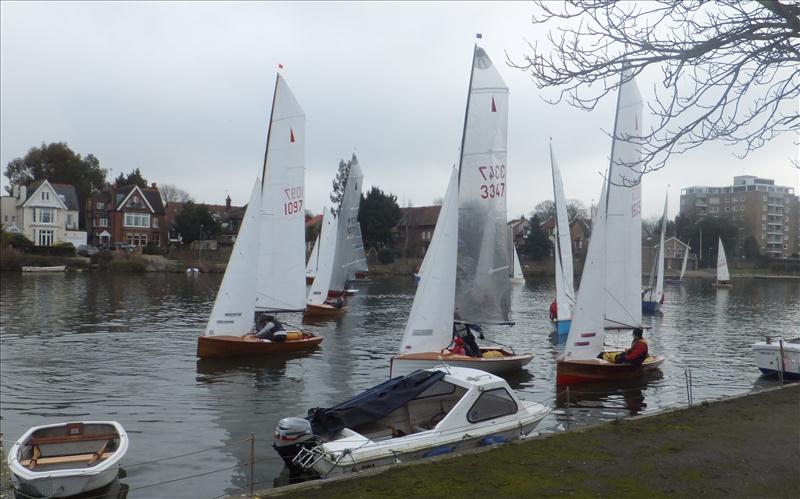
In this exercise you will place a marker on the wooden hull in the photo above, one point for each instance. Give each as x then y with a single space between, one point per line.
332 293
592 370
719 284
324 311
407 363
215 347
362 275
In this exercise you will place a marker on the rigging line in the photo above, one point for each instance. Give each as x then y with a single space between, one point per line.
184 478
187 454
622 307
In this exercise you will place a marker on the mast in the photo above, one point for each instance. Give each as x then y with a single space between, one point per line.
269 132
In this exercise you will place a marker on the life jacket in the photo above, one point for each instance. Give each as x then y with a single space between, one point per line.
640 356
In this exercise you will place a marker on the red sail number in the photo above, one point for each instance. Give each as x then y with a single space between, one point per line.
293 207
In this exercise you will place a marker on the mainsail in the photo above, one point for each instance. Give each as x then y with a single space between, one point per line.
483 290
623 251
565 289
685 260
722 264
327 247
656 290
517 267
430 323
281 258
235 302
313 260
348 229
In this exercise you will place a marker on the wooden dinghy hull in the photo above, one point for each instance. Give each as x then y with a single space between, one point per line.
592 370
65 459
508 363
324 311
216 347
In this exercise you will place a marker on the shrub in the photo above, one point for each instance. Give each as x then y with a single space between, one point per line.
102 258
152 249
128 265
18 240
385 256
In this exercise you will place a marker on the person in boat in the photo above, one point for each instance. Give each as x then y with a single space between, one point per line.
337 302
457 347
271 329
463 331
636 354
554 311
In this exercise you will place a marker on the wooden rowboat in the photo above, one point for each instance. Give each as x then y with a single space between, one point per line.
64 459
324 310
55 268
584 371
209 347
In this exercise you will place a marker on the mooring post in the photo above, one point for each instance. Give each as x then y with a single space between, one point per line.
252 460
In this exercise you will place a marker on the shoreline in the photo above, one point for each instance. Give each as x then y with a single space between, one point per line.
716 449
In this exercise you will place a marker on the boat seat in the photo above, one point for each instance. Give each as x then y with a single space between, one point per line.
63 439
74 458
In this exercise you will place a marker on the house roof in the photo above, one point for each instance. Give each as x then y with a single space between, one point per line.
220 210
315 220
151 196
417 216
70 198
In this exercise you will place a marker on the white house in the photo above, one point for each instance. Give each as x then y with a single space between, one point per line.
45 213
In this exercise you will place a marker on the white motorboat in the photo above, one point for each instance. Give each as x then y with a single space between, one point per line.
424 414
64 459
776 355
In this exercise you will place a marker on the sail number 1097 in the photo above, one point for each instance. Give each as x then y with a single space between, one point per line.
495 185
294 195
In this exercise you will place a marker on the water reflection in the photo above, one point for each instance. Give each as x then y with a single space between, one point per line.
122 347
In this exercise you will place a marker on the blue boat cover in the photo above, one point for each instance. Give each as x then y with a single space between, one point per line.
372 404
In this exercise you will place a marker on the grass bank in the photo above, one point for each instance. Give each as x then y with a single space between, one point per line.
747 446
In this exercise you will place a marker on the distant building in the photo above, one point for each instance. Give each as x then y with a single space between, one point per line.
759 208
673 255
414 232
128 215
580 232
519 228
230 218
46 213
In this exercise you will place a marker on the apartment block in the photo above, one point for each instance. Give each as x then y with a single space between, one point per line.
759 208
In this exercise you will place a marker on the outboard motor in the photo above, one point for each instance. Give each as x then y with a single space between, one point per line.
291 435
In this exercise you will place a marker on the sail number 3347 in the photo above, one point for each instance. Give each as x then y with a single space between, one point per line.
294 195
495 183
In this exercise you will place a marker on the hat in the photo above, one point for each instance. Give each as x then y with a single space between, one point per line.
458 341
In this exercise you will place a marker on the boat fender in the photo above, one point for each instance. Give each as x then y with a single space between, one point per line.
492 354
493 440
294 336
439 451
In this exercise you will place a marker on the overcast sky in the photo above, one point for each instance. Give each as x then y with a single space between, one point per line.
183 91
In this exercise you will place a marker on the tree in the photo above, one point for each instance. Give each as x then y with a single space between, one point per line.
537 245
173 194
750 248
547 210
712 229
57 163
340 182
195 222
728 69
378 214
134 177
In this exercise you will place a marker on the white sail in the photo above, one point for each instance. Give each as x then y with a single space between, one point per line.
565 289
483 290
281 285
235 302
685 260
327 248
517 267
587 333
313 260
656 290
347 219
722 264
360 257
623 217
430 323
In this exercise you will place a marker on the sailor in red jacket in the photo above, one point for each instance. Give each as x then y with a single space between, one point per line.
636 354
553 311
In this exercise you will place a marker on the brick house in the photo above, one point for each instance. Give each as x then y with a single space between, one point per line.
230 218
129 215
414 232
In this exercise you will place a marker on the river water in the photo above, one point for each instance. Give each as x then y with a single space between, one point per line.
91 346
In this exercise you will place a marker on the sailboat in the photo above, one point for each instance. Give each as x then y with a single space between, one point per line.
467 264
723 276
605 280
317 304
517 277
653 296
264 272
565 289
360 267
346 259
313 262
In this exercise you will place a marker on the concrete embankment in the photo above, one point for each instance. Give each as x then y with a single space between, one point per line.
746 446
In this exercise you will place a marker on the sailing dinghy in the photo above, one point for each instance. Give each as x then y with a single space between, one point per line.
565 289
265 273
653 296
607 288
517 277
723 276
466 268
317 303
313 263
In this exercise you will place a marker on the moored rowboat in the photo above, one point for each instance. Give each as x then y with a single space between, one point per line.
55 268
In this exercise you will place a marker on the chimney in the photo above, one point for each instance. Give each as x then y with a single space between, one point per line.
15 192
153 185
23 195
228 203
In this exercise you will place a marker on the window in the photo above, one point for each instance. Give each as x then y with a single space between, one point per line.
155 223
101 222
46 216
492 404
69 221
46 197
713 200
45 237
137 220
100 206
137 239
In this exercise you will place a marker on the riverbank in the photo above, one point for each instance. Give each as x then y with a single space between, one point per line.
745 446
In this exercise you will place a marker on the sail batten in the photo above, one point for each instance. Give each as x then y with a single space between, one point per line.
483 290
